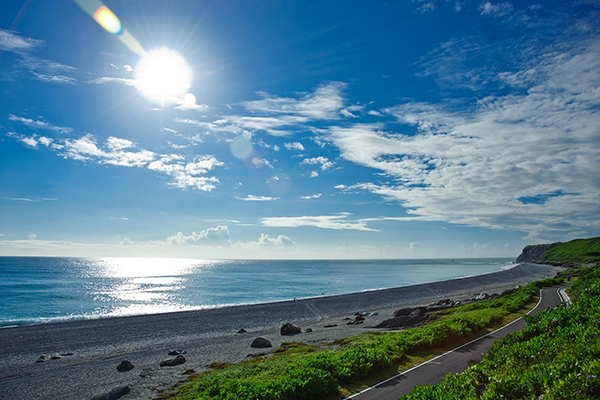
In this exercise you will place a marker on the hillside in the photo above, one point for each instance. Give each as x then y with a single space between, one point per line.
578 251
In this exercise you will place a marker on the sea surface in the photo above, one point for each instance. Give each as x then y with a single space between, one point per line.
37 290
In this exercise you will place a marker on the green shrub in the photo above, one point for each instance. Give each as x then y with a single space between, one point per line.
557 356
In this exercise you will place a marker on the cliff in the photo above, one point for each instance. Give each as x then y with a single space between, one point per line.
575 252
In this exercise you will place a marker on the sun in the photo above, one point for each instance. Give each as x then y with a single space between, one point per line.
163 75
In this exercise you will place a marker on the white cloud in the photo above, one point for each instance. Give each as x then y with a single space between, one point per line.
114 143
39 124
310 197
324 103
126 242
218 234
32 236
120 218
122 152
31 141
323 161
336 222
294 146
188 174
85 148
281 241
281 125
375 113
257 198
11 41
525 162
314 174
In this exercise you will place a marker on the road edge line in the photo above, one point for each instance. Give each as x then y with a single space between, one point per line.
448 352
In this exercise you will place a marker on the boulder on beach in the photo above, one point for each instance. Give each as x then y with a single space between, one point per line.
482 296
125 366
177 352
260 343
173 361
242 331
114 394
290 329
43 358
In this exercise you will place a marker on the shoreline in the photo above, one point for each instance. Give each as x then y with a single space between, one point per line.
208 335
79 318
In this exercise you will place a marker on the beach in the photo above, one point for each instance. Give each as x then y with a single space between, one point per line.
207 336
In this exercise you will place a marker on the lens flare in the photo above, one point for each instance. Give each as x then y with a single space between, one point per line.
108 20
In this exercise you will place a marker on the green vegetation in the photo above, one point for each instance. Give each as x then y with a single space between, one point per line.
578 251
299 371
556 357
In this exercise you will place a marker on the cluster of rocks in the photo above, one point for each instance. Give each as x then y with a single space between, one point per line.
416 316
411 316
126 365
287 329
359 318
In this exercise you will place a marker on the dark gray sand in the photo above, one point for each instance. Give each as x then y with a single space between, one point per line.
207 335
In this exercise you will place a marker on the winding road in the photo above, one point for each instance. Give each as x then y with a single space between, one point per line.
456 360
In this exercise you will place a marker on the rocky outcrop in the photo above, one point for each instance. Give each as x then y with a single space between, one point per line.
535 253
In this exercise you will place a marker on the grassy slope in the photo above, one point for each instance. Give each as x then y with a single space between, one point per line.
304 372
579 251
556 357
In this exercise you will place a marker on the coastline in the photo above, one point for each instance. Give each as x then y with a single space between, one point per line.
208 335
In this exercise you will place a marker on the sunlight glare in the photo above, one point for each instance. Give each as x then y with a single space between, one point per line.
163 75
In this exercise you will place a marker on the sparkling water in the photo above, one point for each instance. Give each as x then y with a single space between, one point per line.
47 289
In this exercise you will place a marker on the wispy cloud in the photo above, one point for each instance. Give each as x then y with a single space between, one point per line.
30 200
11 41
474 166
310 197
496 10
335 222
257 198
324 103
49 78
39 124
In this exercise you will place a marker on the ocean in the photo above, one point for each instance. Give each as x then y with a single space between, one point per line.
37 290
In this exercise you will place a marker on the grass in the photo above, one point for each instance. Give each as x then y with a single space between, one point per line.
578 251
298 371
557 356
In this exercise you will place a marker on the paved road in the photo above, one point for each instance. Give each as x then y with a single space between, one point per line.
454 361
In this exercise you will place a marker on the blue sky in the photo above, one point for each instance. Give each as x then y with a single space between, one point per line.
315 129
